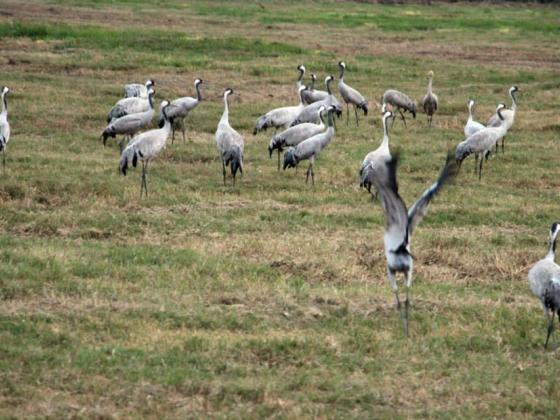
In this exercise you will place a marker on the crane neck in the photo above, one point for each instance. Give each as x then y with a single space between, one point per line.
341 73
151 100
551 249
385 142
312 84
4 103
329 86
198 95
225 115
330 119
513 100
301 100
470 113
429 85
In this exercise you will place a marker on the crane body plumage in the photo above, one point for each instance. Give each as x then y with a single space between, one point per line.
280 117
137 90
128 106
230 143
311 95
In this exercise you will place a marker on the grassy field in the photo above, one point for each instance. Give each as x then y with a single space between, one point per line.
271 298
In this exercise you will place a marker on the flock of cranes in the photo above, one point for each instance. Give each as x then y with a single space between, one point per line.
307 129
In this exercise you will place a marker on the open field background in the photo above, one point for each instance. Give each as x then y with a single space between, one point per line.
271 299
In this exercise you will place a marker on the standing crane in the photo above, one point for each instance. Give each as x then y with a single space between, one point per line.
351 95
544 282
4 125
430 100
229 142
146 147
180 108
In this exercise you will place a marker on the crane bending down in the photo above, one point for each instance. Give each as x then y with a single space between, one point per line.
399 101
544 281
295 135
309 149
230 143
146 147
280 117
400 223
130 124
4 125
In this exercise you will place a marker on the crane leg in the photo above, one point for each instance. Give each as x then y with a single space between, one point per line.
347 114
307 174
480 169
407 301
278 158
503 140
224 171
395 287
356 112
312 176
4 158
475 163
402 117
550 329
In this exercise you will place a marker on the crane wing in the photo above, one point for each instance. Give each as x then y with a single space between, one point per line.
385 181
420 207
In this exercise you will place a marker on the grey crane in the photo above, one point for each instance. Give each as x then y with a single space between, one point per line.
481 143
4 125
137 90
280 117
146 147
377 157
544 282
130 124
127 106
430 100
295 135
351 95
400 102
309 149
508 115
472 126
400 223
309 113
311 94
230 143
180 108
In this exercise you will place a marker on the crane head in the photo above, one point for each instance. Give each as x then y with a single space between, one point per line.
5 90
554 229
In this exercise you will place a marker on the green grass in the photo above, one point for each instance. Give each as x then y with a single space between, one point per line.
270 299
